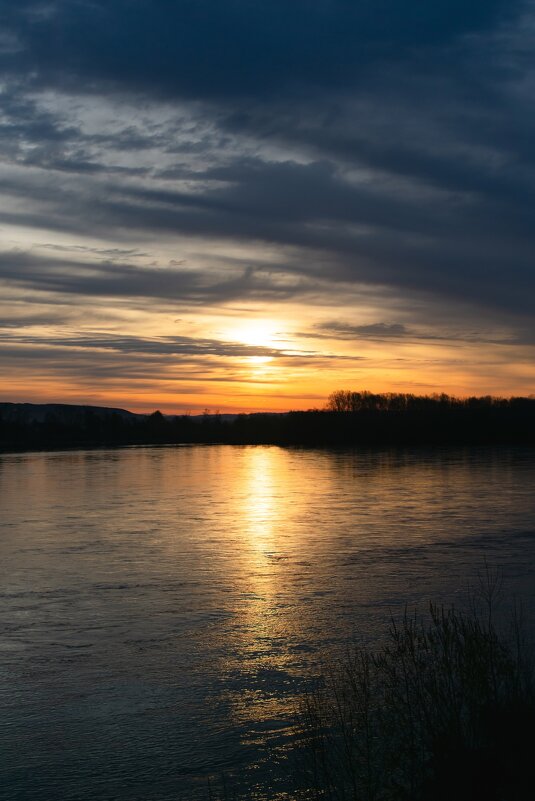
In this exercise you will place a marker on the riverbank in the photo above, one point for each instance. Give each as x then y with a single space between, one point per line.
381 420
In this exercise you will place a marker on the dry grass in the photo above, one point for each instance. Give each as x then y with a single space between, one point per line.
443 711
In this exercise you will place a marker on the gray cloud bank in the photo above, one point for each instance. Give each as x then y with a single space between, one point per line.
380 143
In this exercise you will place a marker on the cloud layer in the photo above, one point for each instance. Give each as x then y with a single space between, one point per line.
367 163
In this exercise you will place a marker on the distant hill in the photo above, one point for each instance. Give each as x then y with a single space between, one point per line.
72 414
62 412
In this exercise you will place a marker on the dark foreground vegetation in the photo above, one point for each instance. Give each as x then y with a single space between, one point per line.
349 418
444 710
440 708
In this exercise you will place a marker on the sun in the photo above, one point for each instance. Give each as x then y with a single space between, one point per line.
255 333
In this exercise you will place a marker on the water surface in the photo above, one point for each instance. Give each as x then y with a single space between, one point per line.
161 607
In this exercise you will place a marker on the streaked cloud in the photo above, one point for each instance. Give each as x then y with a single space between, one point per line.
362 173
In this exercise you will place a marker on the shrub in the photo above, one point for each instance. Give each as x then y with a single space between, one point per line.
443 710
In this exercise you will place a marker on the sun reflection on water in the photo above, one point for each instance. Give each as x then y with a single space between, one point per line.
267 608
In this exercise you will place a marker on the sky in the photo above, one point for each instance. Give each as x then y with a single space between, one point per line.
245 205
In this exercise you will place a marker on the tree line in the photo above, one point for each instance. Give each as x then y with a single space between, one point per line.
348 419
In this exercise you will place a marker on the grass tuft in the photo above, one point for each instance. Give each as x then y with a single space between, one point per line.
444 710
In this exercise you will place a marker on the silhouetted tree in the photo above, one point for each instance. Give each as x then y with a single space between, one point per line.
349 419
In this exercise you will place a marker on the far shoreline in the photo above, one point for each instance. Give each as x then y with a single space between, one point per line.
350 420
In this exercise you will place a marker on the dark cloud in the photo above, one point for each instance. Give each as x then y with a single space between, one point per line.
374 234
173 361
342 330
205 48
381 332
114 279
156 346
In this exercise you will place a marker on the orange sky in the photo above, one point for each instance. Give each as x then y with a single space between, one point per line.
262 356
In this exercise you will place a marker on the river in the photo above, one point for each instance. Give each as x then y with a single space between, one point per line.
163 607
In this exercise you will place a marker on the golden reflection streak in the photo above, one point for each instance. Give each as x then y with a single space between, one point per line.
265 616
260 511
